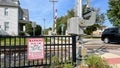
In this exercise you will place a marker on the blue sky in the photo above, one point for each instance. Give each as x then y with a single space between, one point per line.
40 9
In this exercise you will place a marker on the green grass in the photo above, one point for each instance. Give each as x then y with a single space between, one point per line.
12 41
16 41
23 41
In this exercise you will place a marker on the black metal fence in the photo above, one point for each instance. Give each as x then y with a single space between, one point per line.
13 51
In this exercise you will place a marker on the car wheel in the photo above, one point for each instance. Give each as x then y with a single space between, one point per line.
106 40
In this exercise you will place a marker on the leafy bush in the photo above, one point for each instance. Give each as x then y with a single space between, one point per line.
21 33
68 65
95 61
56 64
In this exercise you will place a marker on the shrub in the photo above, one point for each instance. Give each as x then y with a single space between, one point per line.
56 64
95 61
21 33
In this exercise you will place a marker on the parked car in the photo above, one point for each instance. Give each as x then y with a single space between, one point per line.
111 35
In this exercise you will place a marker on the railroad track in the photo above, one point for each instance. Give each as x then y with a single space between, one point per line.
22 49
12 49
18 49
106 46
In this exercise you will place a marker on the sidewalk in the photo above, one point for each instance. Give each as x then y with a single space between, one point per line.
112 59
112 56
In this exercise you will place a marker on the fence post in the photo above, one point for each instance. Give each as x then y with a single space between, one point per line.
74 48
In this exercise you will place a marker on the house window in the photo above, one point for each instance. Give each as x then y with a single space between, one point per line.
6 25
6 11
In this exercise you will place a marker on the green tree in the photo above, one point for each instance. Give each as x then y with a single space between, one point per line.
63 20
95 61
38 30
100 18
29 29
70 13
89 30
114 12
47 30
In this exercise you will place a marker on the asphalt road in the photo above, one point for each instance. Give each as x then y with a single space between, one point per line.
97 44
93 41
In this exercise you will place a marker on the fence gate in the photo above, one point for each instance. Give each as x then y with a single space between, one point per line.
13 51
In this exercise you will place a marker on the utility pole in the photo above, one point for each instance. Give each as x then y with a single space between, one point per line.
53 1
44 25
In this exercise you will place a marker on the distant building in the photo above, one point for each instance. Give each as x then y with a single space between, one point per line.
98 32
12 17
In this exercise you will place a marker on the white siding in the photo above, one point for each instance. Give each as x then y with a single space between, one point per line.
12 18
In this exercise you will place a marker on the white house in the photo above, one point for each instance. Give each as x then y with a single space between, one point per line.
12 17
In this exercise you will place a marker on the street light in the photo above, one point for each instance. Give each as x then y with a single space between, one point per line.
53 1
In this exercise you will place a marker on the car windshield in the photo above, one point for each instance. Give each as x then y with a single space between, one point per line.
113 30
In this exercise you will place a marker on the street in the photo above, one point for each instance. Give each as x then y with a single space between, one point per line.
97 44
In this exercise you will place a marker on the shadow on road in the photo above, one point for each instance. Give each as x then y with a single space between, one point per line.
115 43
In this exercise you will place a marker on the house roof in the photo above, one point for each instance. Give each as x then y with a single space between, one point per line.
10 3
24 21
26 14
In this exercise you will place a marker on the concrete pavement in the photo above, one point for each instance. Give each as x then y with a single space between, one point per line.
112 56
112 59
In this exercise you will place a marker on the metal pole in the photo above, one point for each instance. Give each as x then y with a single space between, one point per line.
79 8
53 18
44 25
81 55
62 29
33 25
80 41
33 31
53 1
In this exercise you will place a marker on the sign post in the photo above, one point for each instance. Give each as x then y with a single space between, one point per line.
62 28
33 25
35 48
